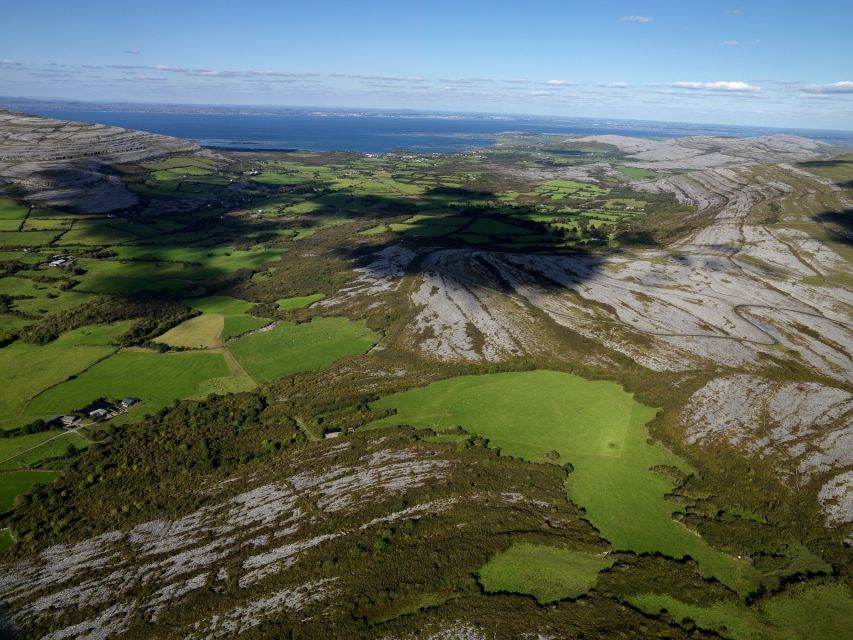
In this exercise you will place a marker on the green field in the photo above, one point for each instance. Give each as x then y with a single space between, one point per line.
553 417
637 173
298 302
156 379
200 332
822 612
45 366
150 267
290 348
14 447
9 210
46 450
14 483
546 573
233 311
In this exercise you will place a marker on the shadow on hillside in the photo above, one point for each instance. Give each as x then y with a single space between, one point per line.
839 224
462 234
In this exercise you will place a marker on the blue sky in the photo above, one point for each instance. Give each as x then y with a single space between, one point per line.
775 63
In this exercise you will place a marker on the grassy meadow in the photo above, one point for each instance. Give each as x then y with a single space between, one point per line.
547 573
559 418
290 348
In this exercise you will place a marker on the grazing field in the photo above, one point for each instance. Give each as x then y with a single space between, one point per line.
546 573
233 312
45 366
44 451
290 348
553 417
139 268
298 302
10 210
819 612
200 332
14 483
637 172
13 447
156 379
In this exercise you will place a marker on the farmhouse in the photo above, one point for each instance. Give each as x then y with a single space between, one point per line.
334 432
62 260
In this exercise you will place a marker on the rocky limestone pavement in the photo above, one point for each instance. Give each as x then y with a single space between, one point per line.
66 164
805 426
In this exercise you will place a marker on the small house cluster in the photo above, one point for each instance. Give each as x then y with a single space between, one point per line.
62 260
99 411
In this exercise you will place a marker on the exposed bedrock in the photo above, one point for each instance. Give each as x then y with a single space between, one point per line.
704 152
806 427
727 294
66 164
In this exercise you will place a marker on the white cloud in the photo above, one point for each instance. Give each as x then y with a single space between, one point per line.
379 78
735 12
736 87
133 52
845 86
612 85
5 62
542 93
560 83
730 43
638 19
465 80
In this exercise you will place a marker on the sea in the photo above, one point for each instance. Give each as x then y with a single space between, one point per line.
382 132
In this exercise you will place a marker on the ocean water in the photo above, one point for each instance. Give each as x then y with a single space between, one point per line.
371 132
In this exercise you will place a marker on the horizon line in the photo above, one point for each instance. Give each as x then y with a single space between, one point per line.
392 110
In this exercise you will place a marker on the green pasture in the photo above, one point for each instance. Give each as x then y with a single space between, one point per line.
200 332
596 426
26 238
177 163
375 231
637 173
38 450
14 483
803 611
167 268
13 447
46 224
299 302
487 226
233 311
559 189
276 179
157 379
179 173
28 369
10 210
420 230
839 170
546 573
9 323
293 347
